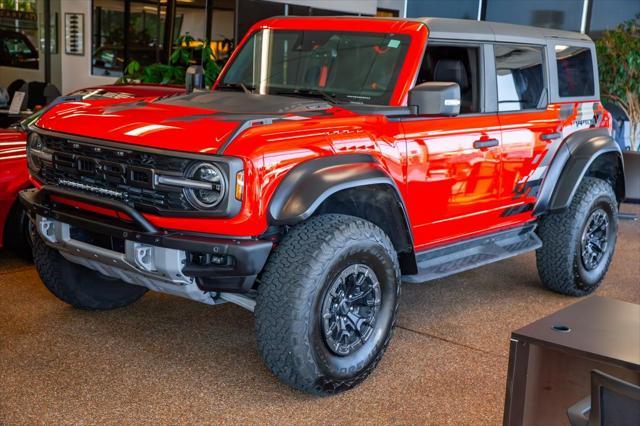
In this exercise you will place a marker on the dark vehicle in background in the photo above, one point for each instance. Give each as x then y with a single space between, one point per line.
16 50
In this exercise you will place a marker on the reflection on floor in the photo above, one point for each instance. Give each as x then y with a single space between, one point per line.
168 360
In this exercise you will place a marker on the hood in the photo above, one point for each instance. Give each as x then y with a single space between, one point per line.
198 122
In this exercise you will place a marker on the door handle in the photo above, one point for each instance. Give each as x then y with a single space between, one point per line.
485 143
550 136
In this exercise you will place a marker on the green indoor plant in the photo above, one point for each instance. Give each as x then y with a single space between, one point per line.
619 66
186 51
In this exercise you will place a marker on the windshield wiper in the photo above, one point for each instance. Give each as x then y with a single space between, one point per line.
309 93
236 86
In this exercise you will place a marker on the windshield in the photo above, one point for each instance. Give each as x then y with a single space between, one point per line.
338 66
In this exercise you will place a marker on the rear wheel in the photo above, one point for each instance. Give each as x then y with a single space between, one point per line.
78 286
327 303
578 243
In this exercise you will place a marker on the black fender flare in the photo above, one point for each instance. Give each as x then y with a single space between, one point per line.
575 156
309 184
322 184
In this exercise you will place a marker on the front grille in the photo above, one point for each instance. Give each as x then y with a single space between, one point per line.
124 174
120 156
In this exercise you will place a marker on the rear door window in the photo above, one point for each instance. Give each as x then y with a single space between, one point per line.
575 71
520 77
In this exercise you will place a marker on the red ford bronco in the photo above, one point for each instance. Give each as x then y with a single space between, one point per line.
334 159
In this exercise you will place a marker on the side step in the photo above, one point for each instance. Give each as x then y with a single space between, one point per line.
465 255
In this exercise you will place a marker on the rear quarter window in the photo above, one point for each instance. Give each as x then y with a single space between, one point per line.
575 71
520 77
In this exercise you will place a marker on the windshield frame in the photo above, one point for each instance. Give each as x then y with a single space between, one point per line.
406 77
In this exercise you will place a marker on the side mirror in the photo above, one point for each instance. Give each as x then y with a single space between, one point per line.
435 98
194 78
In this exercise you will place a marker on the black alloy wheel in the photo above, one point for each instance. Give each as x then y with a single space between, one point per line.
595 239
349 309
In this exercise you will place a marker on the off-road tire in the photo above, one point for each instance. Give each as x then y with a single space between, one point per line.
17 235
559 260
292 287
78 286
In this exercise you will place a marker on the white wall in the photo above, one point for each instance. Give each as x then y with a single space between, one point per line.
193 21
8 74
76 70
223 25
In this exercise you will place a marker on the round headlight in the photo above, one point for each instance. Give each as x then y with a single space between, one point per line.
211 194
34 143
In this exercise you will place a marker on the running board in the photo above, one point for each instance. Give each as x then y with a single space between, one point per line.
470 254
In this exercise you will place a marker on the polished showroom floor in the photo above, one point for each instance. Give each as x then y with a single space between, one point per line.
167 360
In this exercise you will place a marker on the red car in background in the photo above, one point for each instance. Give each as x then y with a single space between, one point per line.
14 175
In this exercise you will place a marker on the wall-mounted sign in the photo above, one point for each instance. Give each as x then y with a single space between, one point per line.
74 33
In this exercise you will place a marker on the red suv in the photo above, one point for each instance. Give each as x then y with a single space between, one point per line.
335 158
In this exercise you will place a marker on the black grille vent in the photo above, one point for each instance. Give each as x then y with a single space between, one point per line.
128 172
129 157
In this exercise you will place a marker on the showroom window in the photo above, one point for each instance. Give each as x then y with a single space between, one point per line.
564 15
462 9
608 14
520 77
144 37
146 32
108 38
18 34
17 51
575 71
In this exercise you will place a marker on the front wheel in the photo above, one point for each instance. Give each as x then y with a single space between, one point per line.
327 303
578 243
78 286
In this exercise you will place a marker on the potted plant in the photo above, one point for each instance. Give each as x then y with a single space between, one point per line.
619 66
187 51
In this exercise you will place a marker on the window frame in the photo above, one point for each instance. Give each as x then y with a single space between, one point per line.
554 95
545 75
487 85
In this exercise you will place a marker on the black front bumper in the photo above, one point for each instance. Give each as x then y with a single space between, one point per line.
246 257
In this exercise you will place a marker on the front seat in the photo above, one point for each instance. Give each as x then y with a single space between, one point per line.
453 70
